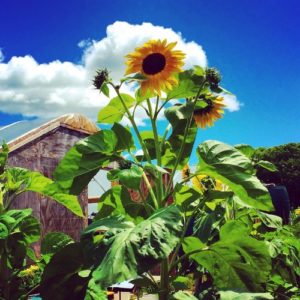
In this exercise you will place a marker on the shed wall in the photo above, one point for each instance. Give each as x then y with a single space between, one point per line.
43 155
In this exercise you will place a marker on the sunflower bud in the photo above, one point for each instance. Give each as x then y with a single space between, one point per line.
100 78
213 76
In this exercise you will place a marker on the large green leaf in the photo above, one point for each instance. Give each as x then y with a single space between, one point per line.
117 200
185 197
124 137
236 262
30 227
189 83
135 250
182 295
247 150
61 279
36 182
178 117
83 161
94 292
229 165
103 142
231 295
52 243
114 111
131 177
3 231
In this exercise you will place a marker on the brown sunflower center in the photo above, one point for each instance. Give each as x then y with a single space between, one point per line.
154 63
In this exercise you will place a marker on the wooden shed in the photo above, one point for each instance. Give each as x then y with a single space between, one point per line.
39 146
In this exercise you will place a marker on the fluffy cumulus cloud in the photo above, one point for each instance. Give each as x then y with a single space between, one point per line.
51 89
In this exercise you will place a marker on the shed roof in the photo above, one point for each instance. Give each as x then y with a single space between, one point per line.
23 132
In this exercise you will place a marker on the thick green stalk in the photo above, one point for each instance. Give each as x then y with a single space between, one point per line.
164 280
158 153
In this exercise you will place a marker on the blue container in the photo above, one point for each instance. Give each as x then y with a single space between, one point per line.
281 202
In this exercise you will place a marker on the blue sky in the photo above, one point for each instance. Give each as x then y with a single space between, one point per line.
255 44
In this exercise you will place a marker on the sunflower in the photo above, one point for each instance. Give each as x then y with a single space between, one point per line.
185 172
211 112
158 62
204 182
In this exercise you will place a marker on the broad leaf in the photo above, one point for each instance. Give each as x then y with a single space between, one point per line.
181 295
131 178
135 250
94 292
38 183
240 262
30 227
267 165
83 161
231 295
61 278
178 116
52 243
189 83
247 150
103 142
230 166
114 111
117 201
124 137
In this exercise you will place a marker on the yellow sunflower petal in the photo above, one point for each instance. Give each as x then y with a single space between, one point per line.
156 57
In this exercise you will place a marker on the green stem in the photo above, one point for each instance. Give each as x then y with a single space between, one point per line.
150 190
164 280
186 130
158 153
131 119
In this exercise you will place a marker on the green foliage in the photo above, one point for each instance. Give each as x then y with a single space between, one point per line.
286 158
235 170
115 111
34 181
216 233
136 249
18 231
234 261
83 161
230 295
178 116
53 242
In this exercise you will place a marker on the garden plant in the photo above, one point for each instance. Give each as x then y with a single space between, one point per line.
209 235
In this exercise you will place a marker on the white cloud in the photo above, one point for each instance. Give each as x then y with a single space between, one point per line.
232 104
55 88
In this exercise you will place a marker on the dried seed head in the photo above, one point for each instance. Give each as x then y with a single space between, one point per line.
100 78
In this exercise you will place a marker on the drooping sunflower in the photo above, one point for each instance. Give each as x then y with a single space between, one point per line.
158 62
211 112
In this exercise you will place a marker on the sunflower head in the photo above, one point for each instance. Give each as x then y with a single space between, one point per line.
205 183
185 172
158 62
100 77
212 110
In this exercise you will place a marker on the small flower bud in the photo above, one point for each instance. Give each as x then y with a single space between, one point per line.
213 76
100 78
